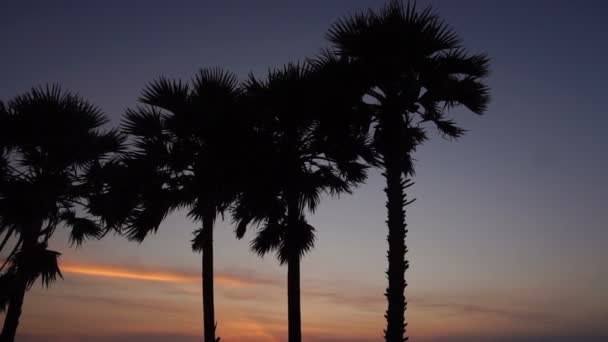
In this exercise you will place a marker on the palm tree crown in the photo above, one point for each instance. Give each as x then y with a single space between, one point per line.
186 150
415 65
300 154
50 141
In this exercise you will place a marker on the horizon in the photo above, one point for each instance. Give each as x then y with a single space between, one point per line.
507 235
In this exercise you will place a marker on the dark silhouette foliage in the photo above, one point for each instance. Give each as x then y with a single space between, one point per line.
304 148
50 141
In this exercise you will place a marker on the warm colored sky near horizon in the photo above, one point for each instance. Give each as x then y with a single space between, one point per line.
508 235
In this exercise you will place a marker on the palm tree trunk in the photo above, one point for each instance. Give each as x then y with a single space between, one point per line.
397 231
293 274
208 306
293 299
13 313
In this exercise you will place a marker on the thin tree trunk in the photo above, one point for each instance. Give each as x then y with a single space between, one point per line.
11 321
293 299
293 274
13 313
397 231
208 306
293 263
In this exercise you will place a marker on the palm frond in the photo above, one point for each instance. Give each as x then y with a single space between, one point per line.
299 239
352 172
407 165
458 62
149 215
241 227
114 192
37 262
345 32
94 146
200 236
469 91
448 129
270 237
210 83
81 228
167 94
59 106
144 122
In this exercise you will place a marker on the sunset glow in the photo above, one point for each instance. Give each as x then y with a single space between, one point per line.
505 241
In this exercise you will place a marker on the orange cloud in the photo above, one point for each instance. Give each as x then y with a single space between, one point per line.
98 271
225 279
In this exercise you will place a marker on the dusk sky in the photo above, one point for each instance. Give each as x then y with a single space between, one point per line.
508 234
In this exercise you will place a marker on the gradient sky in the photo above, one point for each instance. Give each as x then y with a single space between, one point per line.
507 236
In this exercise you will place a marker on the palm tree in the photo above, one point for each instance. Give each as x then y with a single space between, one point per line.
50 140
417 70
188 153
297 160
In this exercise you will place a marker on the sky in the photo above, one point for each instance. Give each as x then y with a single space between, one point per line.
507 235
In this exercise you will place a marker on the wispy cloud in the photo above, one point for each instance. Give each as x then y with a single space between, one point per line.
475 309
131 303
374 302
362 301
229 278
101 271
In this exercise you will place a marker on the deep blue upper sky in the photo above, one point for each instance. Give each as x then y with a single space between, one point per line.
518 204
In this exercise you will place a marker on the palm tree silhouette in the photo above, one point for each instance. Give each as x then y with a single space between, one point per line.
417 70
49 141
188 154
297 160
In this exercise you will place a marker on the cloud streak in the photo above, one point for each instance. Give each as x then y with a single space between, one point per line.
94 300
229 279
373 303
366 302
474 309
100 271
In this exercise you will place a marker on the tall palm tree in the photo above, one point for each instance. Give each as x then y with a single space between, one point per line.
297 161
50 140
188 153
417 70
